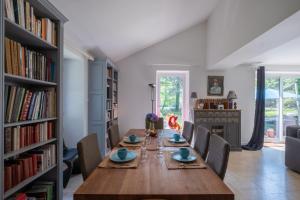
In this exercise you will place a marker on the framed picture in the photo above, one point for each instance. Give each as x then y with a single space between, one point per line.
215 85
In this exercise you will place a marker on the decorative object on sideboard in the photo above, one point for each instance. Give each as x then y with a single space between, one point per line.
231 96
152 87
212 104
194 98
215 85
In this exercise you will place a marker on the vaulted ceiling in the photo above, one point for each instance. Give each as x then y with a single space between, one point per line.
120 28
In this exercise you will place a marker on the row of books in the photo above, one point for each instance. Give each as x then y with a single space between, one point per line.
22 13
23 104
21 61
39 190
19 137
28 165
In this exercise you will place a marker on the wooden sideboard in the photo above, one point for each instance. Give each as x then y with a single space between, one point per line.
225 123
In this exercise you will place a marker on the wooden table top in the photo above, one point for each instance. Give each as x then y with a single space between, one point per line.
152 180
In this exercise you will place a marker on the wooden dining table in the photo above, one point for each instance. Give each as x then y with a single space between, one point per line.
153 180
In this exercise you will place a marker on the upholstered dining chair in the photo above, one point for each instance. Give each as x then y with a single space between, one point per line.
202 136
188 129
218 155
88 154
114 136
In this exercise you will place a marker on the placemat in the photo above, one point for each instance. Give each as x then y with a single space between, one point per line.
124 144
173 164
107 163
167 143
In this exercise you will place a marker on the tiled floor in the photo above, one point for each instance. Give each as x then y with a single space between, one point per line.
74 183
259 175
262 175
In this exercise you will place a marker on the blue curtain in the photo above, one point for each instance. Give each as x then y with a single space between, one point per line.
257 140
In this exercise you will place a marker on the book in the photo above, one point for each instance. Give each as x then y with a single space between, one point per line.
25 104
22 61
19 137
10 103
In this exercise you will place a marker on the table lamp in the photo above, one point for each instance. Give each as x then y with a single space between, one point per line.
231 96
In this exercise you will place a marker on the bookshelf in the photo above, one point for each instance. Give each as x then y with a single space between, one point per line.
103 100
50 49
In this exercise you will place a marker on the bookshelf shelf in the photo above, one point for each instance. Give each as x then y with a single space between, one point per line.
6 125
17 45
18 33
28 148
25 80
26 182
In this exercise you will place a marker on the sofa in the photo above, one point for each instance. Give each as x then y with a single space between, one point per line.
292 148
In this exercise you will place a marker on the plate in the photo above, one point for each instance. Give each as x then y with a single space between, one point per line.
131 155
137 140
181 140
176 156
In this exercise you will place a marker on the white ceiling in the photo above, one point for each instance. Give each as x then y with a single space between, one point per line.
120 28
287 54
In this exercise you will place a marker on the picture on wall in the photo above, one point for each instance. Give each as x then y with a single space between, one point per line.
215 85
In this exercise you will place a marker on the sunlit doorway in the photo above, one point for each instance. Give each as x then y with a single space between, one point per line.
172 96
282 105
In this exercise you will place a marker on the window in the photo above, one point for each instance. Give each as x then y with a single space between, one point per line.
172 95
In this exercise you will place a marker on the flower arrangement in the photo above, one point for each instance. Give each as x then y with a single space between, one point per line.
151 117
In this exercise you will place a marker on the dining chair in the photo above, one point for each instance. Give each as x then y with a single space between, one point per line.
160 123
188 129
88 154
202 136
218 155
114 136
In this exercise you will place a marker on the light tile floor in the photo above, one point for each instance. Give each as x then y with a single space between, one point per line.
252 175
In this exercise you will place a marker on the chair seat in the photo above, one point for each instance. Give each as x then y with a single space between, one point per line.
70 154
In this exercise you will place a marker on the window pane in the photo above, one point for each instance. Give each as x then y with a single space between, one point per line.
290 102
272 85
171 98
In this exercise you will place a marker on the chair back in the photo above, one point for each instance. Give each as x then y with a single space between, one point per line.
188 129
160 123
202 136
88 154
218 155
114 135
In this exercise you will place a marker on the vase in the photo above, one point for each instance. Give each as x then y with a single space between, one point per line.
152 129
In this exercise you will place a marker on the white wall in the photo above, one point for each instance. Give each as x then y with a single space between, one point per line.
185 51
75 90
235 23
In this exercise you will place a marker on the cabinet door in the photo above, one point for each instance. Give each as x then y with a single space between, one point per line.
233 135
96 103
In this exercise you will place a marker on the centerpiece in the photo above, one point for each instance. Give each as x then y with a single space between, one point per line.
151 120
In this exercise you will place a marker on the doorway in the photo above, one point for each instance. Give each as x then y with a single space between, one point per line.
282 105
172 96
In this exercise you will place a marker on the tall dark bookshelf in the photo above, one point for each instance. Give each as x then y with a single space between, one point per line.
13 31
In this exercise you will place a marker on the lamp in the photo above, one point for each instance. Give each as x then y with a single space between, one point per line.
194 95
152 87
231 96
194 98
